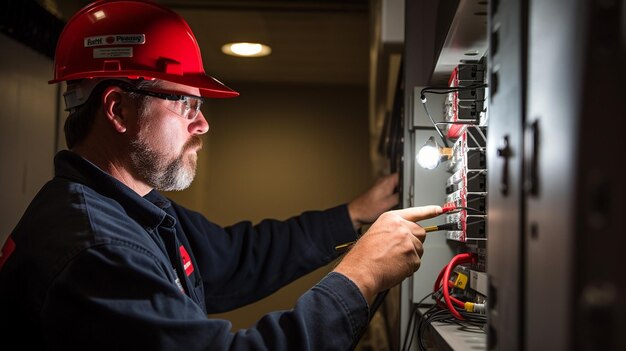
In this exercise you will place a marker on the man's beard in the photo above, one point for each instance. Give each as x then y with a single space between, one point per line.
163 174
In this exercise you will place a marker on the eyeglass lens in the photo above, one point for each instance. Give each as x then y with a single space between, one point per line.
188 107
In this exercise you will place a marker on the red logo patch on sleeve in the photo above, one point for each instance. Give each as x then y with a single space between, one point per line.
186 260
7 250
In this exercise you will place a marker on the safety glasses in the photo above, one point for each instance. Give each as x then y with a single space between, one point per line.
187 106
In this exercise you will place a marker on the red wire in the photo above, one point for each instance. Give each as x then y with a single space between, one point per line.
457 301
437 286
456 260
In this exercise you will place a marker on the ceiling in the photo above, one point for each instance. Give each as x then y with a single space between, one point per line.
313 41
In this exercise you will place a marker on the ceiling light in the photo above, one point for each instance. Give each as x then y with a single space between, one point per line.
246 49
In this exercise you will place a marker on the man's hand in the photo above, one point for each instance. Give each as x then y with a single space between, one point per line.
381 197
388 252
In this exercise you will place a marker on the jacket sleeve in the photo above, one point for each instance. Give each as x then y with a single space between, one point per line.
143 310
243 263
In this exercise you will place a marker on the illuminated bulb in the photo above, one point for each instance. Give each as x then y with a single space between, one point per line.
428 157
246 49
431 154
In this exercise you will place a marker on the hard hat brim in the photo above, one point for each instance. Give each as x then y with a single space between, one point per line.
209 87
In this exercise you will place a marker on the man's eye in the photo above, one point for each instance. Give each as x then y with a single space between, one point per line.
185 104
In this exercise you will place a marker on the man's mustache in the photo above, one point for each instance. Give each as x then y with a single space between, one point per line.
193 142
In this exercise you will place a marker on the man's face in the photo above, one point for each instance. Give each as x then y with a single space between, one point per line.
164 151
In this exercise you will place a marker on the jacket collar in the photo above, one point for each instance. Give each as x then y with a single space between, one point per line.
147 210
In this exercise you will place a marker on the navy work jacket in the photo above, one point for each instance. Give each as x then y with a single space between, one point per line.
94 266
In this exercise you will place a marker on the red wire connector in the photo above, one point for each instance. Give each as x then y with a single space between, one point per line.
447 207
456 260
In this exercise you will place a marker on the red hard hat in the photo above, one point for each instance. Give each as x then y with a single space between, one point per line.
132 39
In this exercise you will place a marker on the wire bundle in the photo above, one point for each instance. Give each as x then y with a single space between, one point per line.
450 310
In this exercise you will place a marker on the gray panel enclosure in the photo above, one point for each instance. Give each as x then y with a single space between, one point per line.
575 295
507 60
556 199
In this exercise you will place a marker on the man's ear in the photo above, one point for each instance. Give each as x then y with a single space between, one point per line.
115 109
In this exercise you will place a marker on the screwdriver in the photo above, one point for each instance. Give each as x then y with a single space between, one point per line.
430 228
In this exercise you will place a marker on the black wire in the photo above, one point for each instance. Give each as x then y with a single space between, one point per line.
459 208
425 316
420 341
465 122
378 300
447 90
445 316
439 314
409 328
414 311
434 317
444 90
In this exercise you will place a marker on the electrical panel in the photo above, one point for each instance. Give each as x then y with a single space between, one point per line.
507 93
445 161
450 124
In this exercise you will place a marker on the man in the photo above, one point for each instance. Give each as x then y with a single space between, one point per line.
102 261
